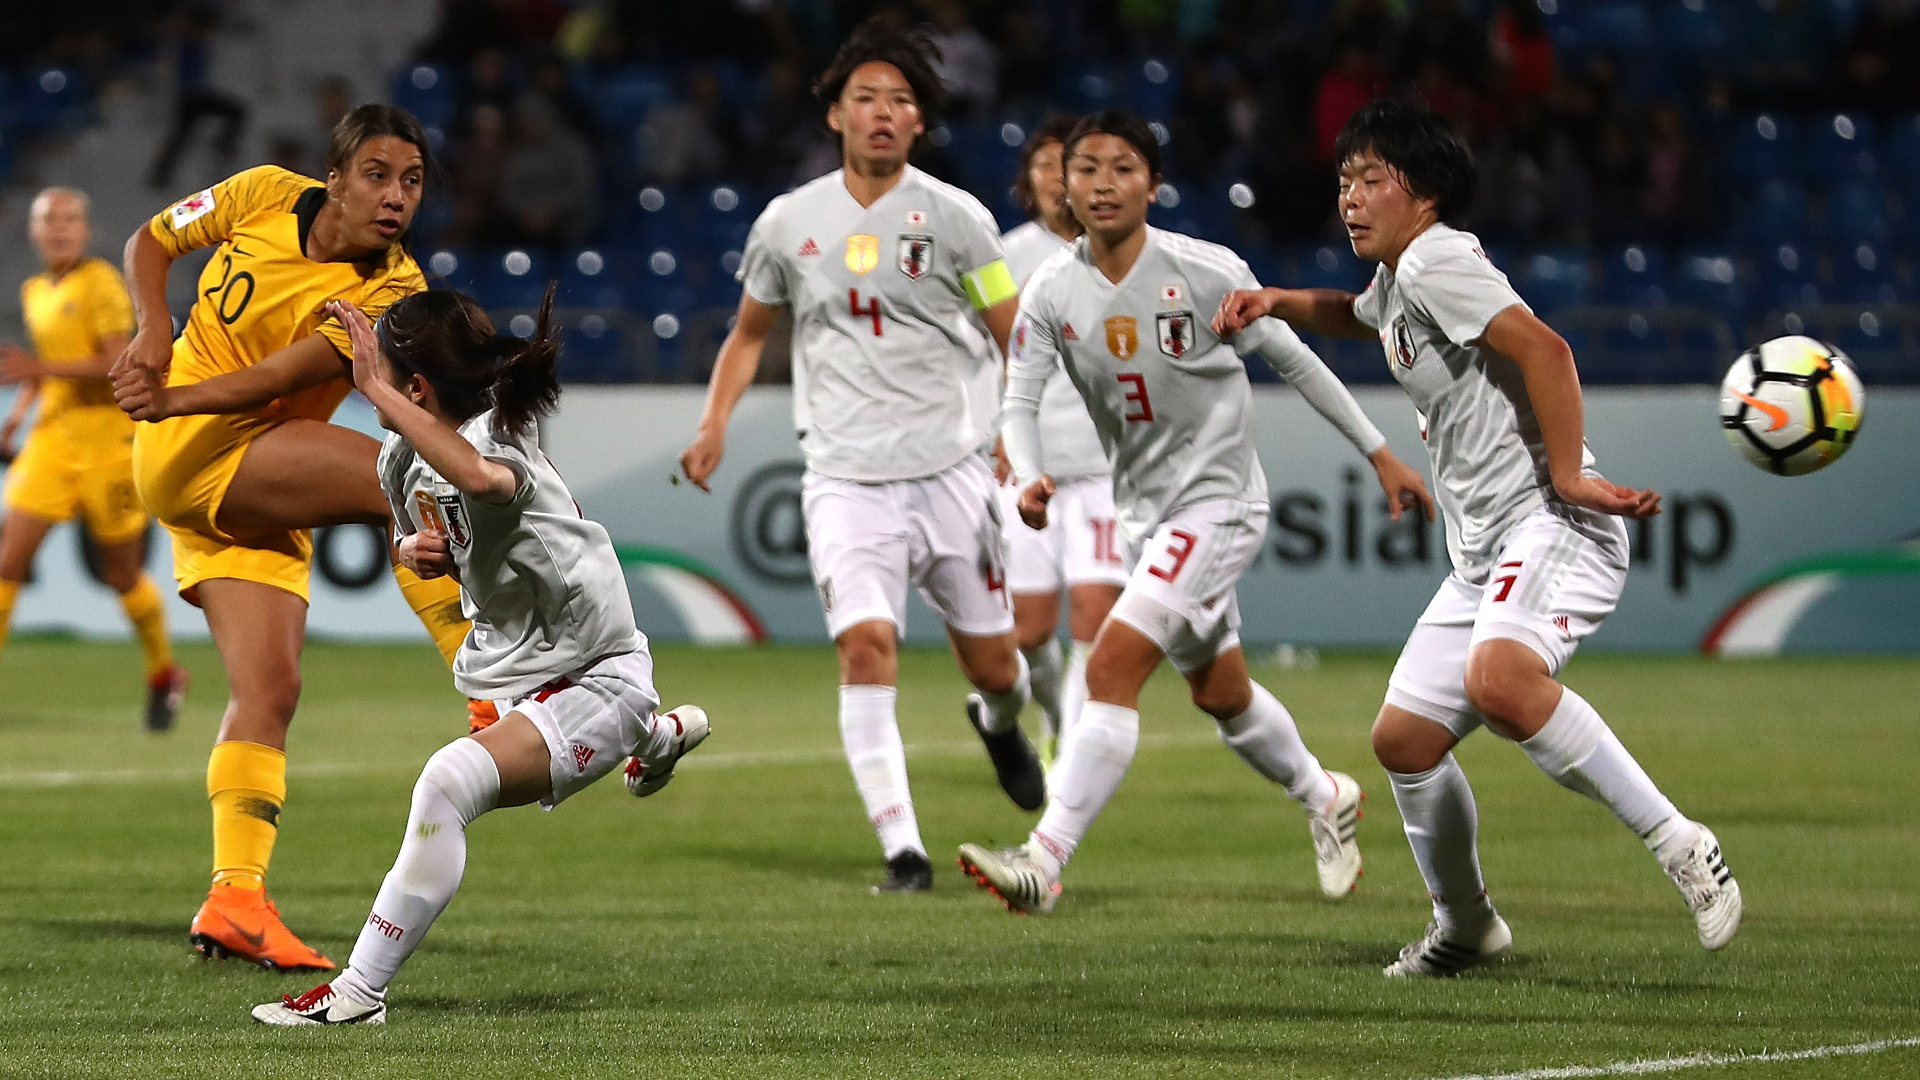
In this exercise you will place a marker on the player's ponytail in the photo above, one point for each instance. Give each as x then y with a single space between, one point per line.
447 339
527 384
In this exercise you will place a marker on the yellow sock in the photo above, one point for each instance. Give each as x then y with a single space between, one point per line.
247 784
437 602
149 617
8 591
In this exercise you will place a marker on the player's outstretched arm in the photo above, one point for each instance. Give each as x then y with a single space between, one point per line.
1553 386
142 392
147 262
437 442
1317 311
733 372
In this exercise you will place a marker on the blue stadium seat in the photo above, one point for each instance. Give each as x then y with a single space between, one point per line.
595 277
428 91
1619 26
1874 346
1635 274
1332 266
511 278
1840 146
1786 276
726 213
593 351
1863 273
449 267
1086 87
1857 210
1695 30
1900 147
1555 280
1763 147
1152 86
1777 212
628 92
1708 278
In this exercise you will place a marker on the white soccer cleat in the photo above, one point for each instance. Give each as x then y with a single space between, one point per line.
1442 954
318 1007
1700 873
1014 875
690 730
1335 848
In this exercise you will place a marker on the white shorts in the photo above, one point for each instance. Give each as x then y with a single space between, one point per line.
940 533
1181 593
1551 585
592 719
1079 546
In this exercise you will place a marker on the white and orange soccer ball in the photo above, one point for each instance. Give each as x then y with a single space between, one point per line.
1792 405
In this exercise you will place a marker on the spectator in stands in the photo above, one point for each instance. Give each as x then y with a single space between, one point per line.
783 125
1619 171
1880 64
551 79
1534 186
488 85
476 174
1203 133
686 139
1784 55
1521 50
195 98
1353 79
463 29
1440 33
969 64
1674 192
547 179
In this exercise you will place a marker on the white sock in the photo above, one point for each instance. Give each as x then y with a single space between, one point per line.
1442 822
878 758
1581 753
1073 689
1043 666
459 783
1265 737
1093 760
1003 709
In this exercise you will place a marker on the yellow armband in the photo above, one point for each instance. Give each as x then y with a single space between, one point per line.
989 285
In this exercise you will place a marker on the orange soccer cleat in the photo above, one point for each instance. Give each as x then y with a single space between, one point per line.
480 715
243 923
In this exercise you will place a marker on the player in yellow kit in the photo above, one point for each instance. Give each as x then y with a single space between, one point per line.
240 464
78 460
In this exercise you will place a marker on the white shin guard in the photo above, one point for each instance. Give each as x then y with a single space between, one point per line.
1581 753
1442 824
1266 738
878 759
459 783
1093 760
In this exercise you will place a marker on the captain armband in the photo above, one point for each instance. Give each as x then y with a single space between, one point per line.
989 285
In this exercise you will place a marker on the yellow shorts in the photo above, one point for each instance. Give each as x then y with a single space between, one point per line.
80 463
182 467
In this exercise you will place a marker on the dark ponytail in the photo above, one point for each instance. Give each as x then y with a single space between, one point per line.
447 338
528 386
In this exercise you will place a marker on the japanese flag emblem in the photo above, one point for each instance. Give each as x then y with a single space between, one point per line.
916 219
453 510
1171 294
192 208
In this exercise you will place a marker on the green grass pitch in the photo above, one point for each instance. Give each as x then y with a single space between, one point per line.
724 927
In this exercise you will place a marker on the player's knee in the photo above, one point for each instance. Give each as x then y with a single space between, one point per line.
270 696
1495 689
1222 702
1110 680
463 774
867 655
1034 633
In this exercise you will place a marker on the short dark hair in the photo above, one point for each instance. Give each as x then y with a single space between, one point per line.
878 40
447 337
1120 124
1054 129
1424 148
373 121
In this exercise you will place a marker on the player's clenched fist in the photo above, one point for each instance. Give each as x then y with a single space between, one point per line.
140 391
1033 502
1240 307
426 553
700 458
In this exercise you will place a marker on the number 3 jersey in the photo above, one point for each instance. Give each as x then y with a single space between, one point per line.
541 582
260 293
1168 397
886 353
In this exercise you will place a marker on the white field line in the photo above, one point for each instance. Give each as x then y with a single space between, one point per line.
1694 1061
700 762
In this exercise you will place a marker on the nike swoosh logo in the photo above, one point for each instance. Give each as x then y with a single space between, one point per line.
237 251
1772 412
257 940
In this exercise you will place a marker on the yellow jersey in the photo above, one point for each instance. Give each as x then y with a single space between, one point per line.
260 292
67 317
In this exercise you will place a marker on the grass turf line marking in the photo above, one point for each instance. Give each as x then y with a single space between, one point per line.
1694 1061
738 760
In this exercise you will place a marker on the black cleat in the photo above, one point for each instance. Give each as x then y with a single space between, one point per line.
1014 761
165 694
908 871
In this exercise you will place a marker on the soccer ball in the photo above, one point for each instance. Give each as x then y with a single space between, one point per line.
1792 406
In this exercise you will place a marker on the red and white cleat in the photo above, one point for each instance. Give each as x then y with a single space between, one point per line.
319 1006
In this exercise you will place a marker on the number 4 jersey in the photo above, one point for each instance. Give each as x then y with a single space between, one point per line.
1170 399
886 353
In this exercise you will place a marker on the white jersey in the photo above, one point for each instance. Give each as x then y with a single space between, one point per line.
1489 461
1169 398
887 358
1069 445
541 583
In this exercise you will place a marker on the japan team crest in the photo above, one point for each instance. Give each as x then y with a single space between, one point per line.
863 253
453 510
916 255
1123 337
1176 332
1400 347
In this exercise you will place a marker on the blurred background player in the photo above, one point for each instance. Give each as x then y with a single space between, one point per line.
78 460
238 461
883 267
1538 546
1118 310
1079 549
553 637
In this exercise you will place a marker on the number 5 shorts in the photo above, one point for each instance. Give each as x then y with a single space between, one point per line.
182 467
939 533
1181 593
1551 585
